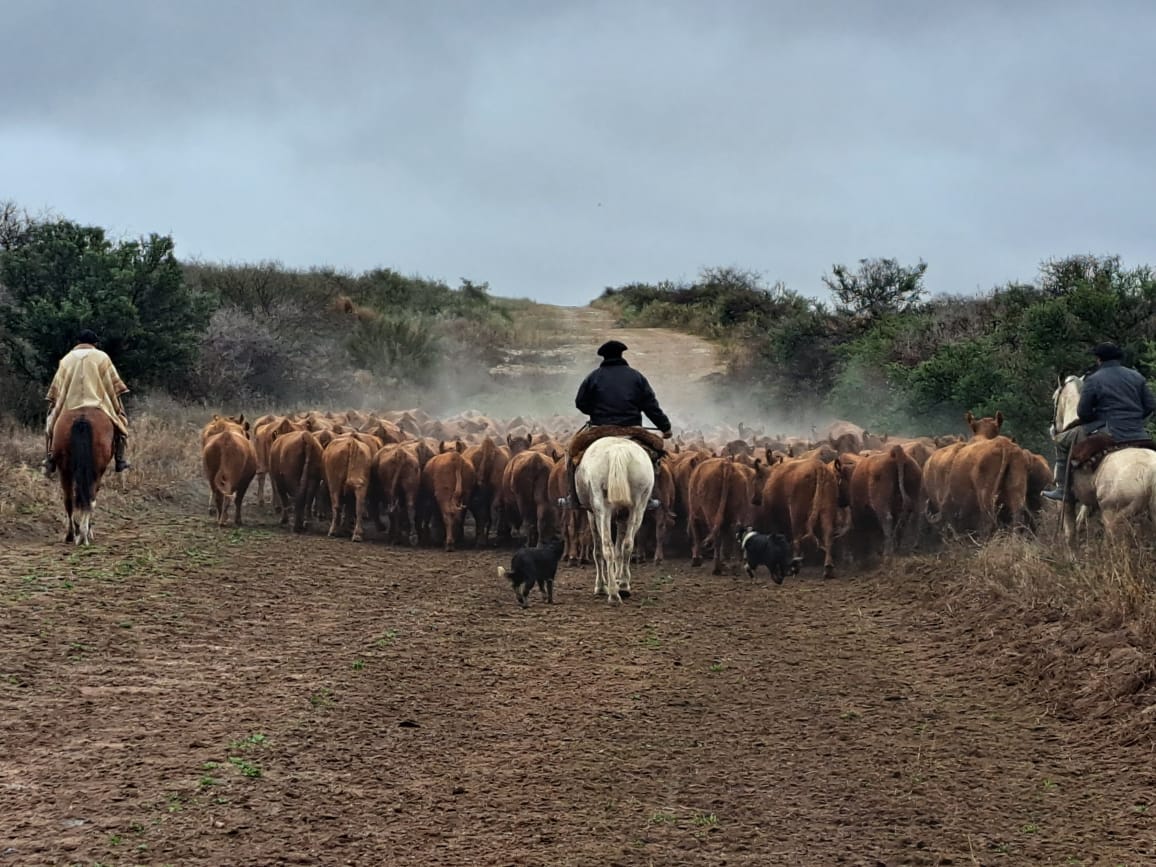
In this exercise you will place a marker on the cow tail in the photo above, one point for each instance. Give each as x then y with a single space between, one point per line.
720 512
1000 482
904 498
815 516
304 479
457 500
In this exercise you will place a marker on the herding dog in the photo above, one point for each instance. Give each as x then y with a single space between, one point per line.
532 566
772 551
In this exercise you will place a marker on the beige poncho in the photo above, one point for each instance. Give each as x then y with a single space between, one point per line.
87 377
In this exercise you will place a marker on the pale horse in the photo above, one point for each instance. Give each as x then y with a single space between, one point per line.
614 480
1121 487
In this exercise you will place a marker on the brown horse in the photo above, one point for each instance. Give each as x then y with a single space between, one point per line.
82 450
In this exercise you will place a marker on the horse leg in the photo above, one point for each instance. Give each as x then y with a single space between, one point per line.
70 536
626 538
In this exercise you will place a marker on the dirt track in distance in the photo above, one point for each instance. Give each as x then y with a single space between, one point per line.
192 696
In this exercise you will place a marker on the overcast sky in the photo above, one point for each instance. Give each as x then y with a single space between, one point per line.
554 149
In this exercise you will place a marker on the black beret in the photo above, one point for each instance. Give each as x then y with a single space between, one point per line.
1107 352
612 349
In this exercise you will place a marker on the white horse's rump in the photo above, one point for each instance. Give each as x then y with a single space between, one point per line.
615 480
1123 485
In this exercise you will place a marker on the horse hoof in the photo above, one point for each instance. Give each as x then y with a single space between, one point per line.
624 594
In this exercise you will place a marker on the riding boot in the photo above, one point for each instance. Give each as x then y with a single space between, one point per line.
48 465
1060 474
119 441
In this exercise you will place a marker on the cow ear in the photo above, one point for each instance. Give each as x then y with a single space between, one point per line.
968 417
461 447
999 416
241 418
441 446
838 465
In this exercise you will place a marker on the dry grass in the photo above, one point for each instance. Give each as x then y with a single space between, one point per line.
166 462
1083 628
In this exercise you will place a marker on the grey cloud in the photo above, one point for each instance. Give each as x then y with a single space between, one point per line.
554 149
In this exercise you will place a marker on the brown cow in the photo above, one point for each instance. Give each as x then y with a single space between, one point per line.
526 494
489 464
574 524
987 485
885 496
448 481
936 481
656 524
396 484
803 499
295 472
229 464
263 436
721 495
348 462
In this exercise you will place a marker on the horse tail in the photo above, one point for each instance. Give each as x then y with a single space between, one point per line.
458 485
618 482
82 464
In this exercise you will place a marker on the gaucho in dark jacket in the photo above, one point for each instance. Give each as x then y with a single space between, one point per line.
1114 400
614 393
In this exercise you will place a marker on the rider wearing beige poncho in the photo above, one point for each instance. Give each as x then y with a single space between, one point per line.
86 377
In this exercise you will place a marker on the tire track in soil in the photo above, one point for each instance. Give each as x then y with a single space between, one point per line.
707 721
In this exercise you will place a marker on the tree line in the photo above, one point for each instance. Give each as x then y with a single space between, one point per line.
227 334
883 351
887 354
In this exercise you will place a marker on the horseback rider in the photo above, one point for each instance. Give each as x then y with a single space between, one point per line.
615 394
1115 400
86 377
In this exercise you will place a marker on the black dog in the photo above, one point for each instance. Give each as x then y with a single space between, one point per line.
532 566
772 551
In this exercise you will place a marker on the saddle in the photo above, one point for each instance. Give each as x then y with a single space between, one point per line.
651 443
1087 454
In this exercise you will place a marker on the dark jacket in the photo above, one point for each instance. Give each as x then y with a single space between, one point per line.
1117 399
615 393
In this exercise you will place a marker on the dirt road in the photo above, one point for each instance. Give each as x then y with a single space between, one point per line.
183 695
678 365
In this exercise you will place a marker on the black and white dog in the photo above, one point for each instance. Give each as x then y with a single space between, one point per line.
532 566
772 551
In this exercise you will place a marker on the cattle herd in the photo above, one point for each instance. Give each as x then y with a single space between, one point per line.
417 478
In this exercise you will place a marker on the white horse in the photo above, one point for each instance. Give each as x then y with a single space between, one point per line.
1121 487
615 480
